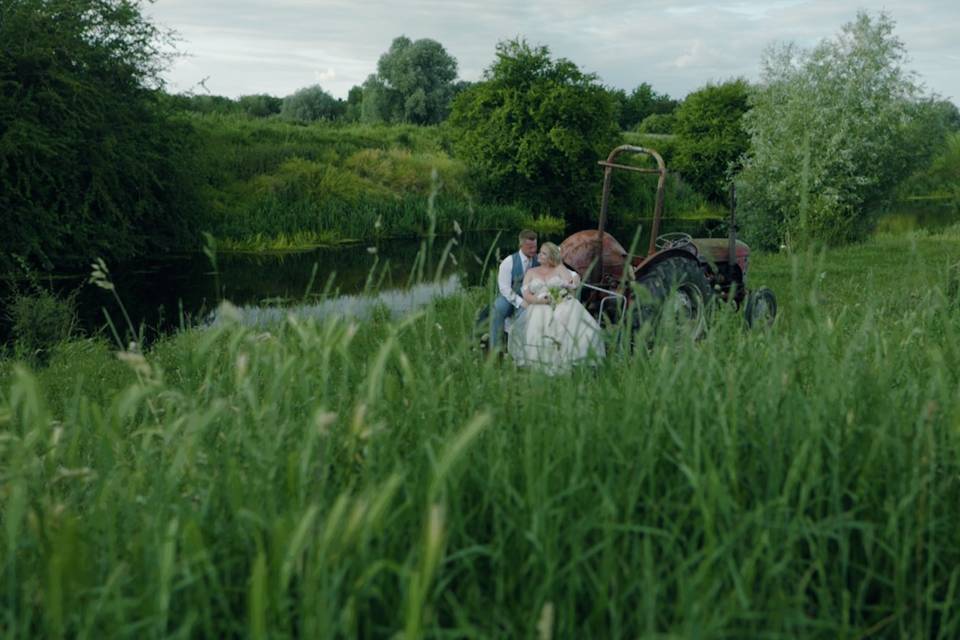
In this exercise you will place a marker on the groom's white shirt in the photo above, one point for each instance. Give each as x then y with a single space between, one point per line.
505 278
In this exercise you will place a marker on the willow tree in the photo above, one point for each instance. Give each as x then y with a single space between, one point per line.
830 135
414 83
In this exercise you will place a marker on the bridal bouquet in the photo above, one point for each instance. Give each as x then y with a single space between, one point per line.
557 295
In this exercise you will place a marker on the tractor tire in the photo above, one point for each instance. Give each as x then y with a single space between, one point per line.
677 292
761 308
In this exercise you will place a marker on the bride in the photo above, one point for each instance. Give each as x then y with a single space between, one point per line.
556 331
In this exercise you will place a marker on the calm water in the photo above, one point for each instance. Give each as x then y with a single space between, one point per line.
165 293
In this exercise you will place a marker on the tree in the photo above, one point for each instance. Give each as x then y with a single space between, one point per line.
413 83
829 132
710 136
533 130
640 103
91 162
260 105
311 104
354 104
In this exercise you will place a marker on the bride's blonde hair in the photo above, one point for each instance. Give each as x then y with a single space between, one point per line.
552 253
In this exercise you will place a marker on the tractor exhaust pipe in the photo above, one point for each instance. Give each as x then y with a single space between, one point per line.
732 247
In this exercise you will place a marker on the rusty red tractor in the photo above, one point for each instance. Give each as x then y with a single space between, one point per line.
680 276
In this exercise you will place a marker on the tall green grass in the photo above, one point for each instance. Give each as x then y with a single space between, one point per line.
269 181
333 479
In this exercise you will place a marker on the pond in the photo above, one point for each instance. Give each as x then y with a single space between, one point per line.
163 294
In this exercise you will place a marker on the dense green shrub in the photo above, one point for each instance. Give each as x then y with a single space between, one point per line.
203 103
661 123
710 137
532 131
90 161
40 320
311 104
260 105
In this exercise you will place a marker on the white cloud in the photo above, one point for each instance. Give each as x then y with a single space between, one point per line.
325 75
693 57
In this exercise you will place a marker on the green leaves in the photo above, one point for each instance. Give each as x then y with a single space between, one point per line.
710 136
89 161
830 133
413 83
532 131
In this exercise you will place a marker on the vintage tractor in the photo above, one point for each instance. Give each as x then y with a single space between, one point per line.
680 276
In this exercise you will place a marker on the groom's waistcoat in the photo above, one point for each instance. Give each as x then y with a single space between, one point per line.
517 273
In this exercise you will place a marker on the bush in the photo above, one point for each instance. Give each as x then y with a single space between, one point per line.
662 123
260 105
91 162
40 321
311 104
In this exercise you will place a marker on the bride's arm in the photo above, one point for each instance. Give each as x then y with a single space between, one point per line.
574 279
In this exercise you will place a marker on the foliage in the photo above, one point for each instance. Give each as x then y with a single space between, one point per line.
710 137
354 106
832 132
310 104
662 123
939 181
413 83
533 130
641 103
260 105
40 320
331 478
39 317
274 184
203 103
546 226
90 162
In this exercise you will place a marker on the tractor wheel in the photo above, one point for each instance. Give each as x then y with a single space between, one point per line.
678 293
761 308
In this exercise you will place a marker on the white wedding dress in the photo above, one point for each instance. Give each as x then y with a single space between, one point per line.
554 337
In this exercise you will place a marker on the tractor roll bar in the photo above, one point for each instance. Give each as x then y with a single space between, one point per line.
608 166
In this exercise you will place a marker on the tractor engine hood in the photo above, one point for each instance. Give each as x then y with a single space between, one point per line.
717 250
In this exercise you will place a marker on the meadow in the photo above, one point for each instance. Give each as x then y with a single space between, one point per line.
384 479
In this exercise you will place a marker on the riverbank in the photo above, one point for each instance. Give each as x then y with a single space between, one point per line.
324 478
271 185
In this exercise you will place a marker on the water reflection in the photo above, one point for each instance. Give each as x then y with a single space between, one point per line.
395 302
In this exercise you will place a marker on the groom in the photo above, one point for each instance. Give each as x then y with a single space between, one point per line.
509 281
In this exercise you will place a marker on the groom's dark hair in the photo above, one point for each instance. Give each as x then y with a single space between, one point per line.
527 234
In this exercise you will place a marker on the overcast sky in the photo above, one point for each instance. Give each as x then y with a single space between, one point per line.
239 47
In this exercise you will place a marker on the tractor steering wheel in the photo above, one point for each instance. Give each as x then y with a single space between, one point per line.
673 239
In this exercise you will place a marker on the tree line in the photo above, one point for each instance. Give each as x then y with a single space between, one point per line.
416 83
95 160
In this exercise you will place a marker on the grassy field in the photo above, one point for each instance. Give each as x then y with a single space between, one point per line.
383 480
